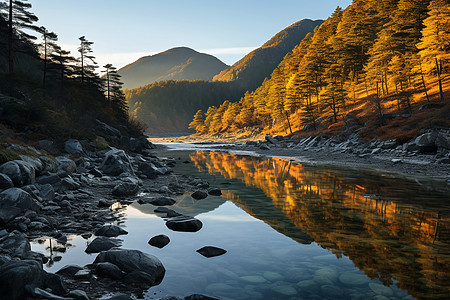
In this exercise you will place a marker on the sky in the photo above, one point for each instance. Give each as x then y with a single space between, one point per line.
123 31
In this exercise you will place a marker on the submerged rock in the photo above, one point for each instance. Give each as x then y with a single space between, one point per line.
159 241
199 195
184 223
210 251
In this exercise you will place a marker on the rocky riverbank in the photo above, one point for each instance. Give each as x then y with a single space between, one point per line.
80 192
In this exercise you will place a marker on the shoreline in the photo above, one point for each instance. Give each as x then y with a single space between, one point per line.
409 164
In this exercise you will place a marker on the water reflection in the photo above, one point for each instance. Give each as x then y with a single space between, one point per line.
392 229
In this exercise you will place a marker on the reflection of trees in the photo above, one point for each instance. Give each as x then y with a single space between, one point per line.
379 223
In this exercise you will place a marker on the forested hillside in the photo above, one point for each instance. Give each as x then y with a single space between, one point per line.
45 92
372 66
250 71
179 63
168 106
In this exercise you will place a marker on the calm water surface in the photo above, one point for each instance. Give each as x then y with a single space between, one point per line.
295 232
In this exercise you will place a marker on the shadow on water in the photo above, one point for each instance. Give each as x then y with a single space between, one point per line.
392 229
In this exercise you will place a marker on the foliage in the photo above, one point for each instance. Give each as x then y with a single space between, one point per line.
369 48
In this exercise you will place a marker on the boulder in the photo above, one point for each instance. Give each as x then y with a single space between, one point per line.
108 269
78 295
184 224
15 245
50 179
73 146
116 162
20 172
69 183
17 277
215 192
159 241
102 243
132 261
55 284
5 182
210 251
125 189
427 142
110 231
16 201
46 192
199 195
49 164
66 164
149 170
37 164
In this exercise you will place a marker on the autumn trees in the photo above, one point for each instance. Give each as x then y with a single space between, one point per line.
386 48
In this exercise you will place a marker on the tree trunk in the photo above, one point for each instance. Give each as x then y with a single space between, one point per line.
10 47
424 86
289 123
441 93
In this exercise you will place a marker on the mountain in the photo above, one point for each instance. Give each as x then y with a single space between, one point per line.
168 106
250 71
179 63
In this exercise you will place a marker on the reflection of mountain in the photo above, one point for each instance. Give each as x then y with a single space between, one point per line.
391 236
186 205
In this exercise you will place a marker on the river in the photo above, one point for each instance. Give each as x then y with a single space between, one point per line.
294 231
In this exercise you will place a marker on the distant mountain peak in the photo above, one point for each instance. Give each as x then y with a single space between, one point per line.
179 63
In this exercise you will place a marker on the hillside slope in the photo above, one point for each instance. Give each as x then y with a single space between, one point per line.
179 63
250 71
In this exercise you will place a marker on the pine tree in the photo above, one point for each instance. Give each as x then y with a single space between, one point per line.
19 19
198 123
87 60
63 62
435 43
48 47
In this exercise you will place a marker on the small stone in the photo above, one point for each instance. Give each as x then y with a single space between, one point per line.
198 195
83 274
210 251
110 231
159 241
215 192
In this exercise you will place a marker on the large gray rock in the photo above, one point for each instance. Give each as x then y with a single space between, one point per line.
132 261
125 189
427 142
5 182
14 201
102 243
66 164
110 231
49 164
184 224
109 270
116 162
73 146
15 245
149 170
16 277
35 162
20 172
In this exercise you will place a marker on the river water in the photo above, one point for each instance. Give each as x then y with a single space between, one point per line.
294 231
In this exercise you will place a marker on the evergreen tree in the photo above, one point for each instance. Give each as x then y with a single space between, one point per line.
64 62
435 43
48 46
198 123
87 61
19 19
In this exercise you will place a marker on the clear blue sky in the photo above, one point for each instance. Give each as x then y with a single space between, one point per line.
123 31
